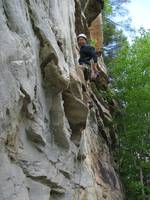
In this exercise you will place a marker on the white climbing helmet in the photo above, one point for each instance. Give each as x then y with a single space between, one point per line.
82 35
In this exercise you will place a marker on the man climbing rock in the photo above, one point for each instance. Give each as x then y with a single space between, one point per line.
88 61
88 57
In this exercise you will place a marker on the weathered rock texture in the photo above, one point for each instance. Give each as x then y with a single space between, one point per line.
52 146
96 32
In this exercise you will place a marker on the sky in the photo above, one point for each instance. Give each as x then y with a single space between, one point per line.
139 10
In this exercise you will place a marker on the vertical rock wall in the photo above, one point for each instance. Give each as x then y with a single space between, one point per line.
52 146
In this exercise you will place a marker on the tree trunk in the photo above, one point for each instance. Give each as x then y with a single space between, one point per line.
142 184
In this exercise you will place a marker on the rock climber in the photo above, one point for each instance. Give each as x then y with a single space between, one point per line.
88 61
88 57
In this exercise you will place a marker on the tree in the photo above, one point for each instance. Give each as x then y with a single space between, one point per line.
131 72
113 27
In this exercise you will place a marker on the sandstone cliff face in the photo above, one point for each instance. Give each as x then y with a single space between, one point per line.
52 146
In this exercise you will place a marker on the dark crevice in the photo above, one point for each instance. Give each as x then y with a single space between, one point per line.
92 9
60 44
26 101
6 16
43 43
80 21
48 59
36 29
55 188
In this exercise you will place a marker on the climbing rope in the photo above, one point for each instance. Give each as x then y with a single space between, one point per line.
81 163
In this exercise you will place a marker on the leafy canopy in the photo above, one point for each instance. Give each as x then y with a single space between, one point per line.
131 82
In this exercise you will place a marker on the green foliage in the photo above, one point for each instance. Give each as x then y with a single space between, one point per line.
93 42
107 94
108 7
131 72
113 29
